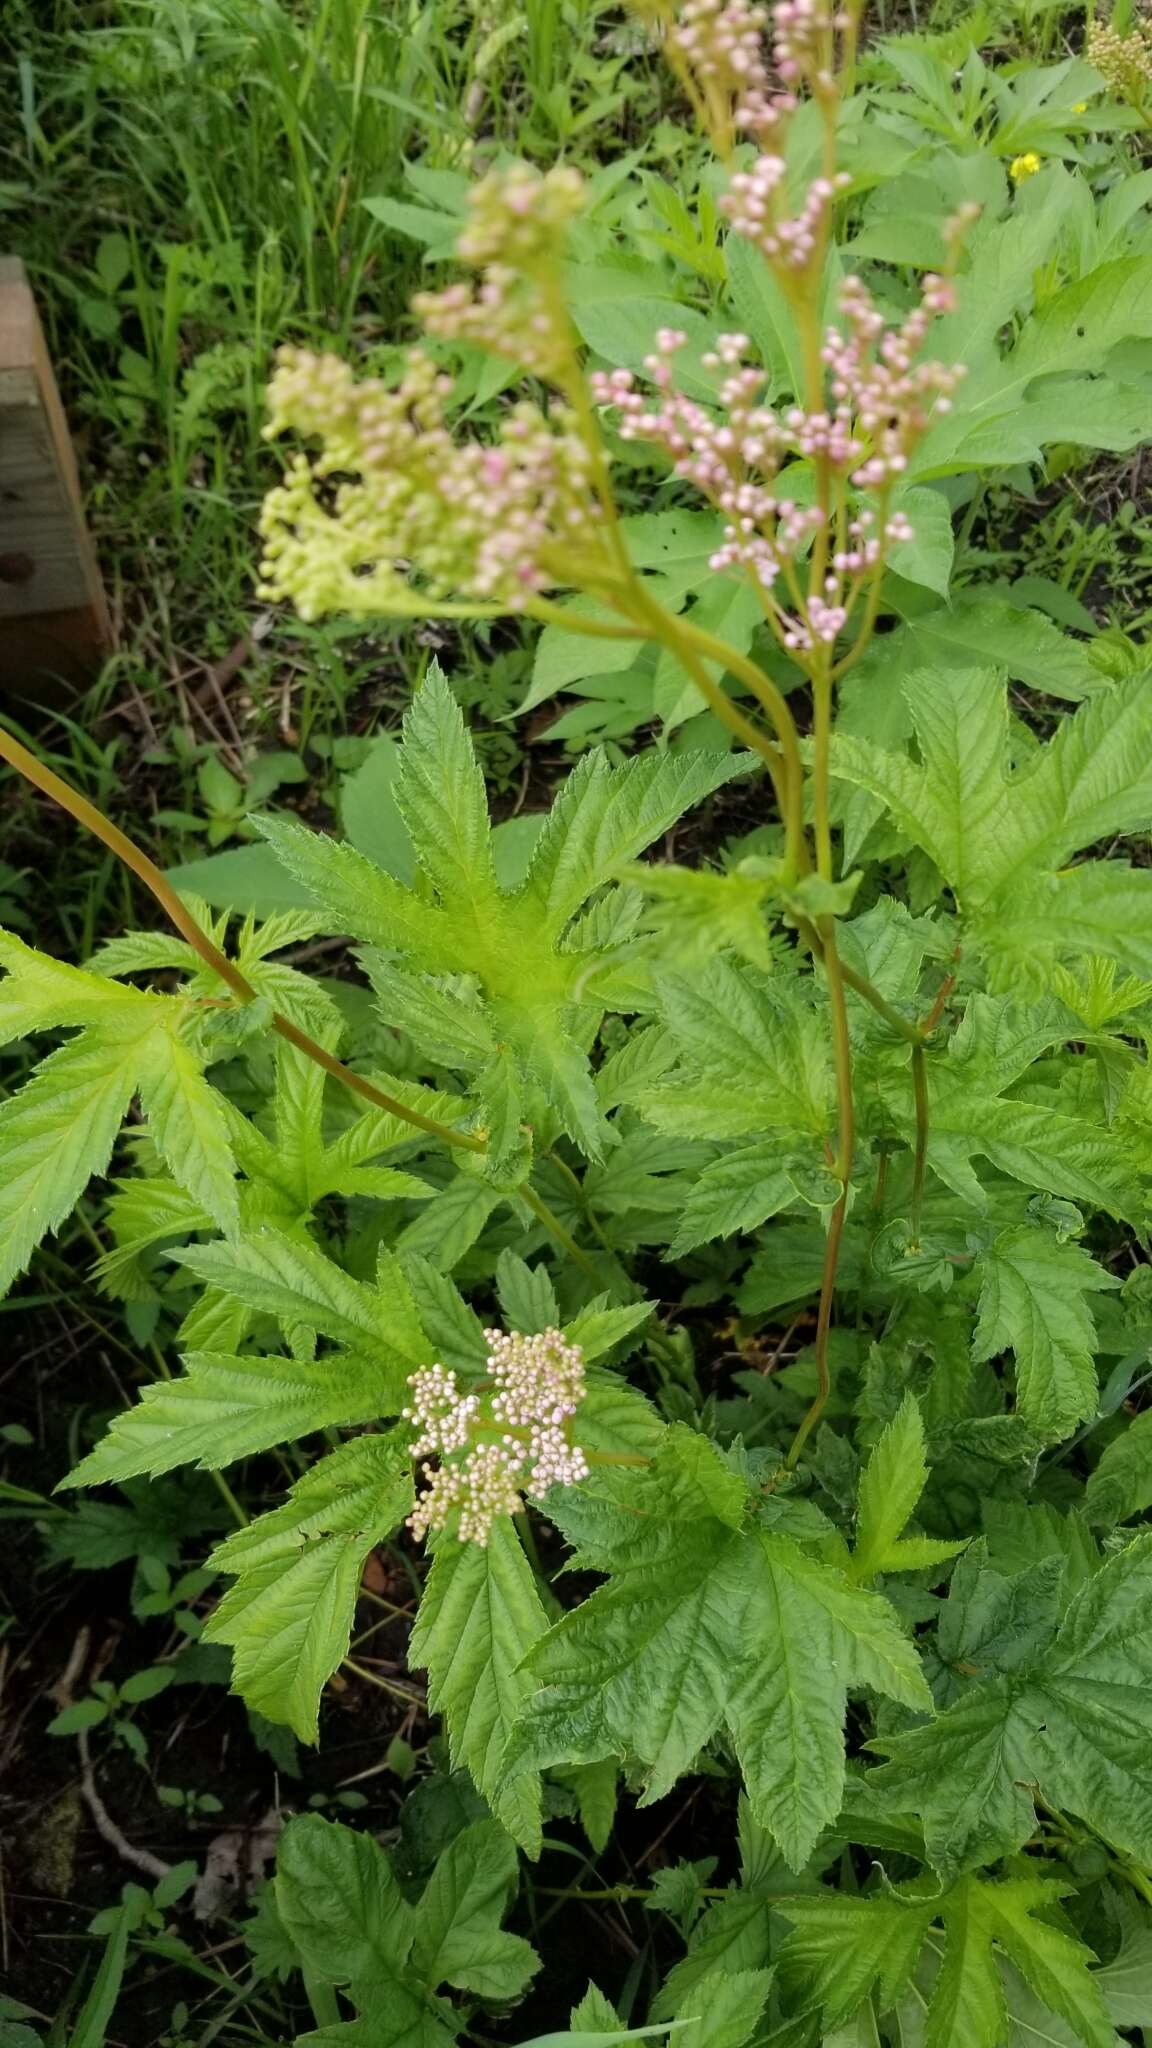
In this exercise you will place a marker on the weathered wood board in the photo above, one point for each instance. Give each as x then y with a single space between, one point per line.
54 623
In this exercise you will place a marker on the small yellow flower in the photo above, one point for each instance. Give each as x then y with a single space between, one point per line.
1025 166
1081 107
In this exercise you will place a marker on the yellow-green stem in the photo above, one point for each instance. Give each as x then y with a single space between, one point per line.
846 1138
821 760
920 1153
552 1224
694 647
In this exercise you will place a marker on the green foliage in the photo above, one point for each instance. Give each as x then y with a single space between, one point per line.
845 1947
705 1623
480 1616
1062 1708
298 1569
820 1123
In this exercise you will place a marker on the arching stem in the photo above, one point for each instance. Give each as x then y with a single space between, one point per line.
137 860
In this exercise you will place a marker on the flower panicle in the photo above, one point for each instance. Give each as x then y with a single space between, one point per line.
1124 61
880 400
413 516
517 220
494 1447
747 62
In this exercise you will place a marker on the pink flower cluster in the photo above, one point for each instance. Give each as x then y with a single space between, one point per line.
539 1384
721 42
751 89
752 204
737 454
416 513
516 224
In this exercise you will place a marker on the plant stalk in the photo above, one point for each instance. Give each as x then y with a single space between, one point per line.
137 860
920 1154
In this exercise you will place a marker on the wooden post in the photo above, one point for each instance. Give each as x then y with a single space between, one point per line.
54 623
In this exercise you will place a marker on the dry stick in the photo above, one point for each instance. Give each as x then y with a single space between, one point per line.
140 1859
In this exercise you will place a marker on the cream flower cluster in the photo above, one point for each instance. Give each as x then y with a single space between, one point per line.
412 512
1123 61
534 1387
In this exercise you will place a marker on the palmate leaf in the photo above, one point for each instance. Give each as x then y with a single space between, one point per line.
289 1616
1034 1298
1070 1718
479 1617
993 834
844 1948
343 1908
705 1623
534 999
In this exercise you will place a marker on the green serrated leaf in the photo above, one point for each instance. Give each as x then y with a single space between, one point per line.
298 1569
340 1903
55 1134
291 1279
1033 1298
188 1124
458 1938
479 1617
1068 1717
604 817
227 1408
440 796
704 1623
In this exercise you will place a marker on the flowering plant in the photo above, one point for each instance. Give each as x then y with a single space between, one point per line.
878 1086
